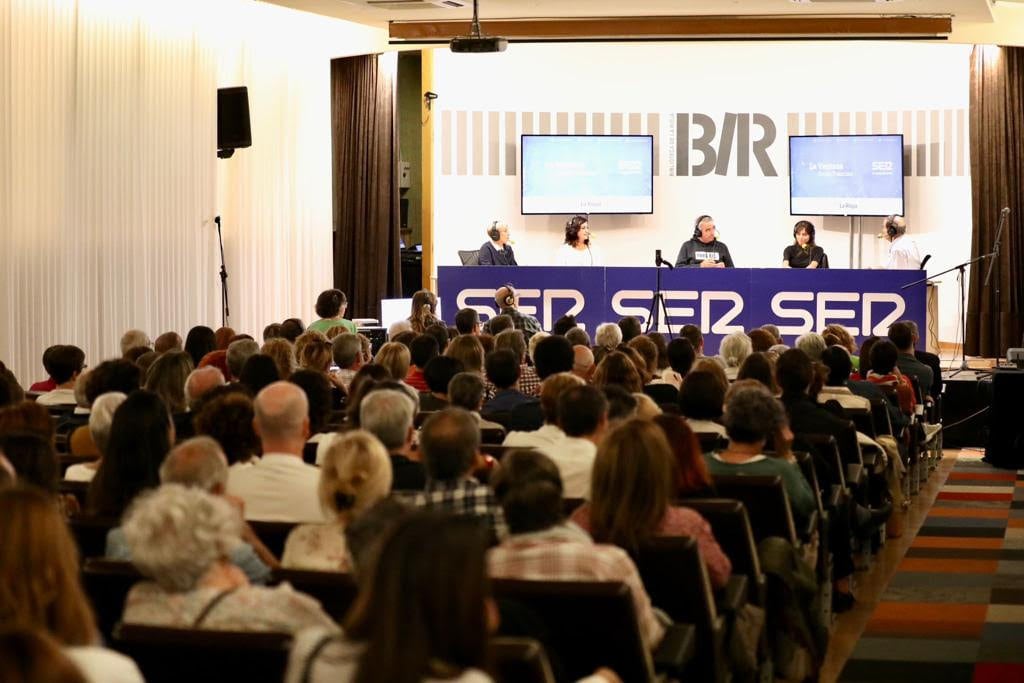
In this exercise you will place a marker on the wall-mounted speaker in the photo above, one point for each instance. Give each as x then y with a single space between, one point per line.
233 131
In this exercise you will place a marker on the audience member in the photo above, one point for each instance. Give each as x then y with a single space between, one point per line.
319 402
292 329
141 434
681 357
280 487
701 399
227 417
760 340
331 306
112 375
450 443
201 382
168 341
466 391
690 473
388 415
100 419
65 365
259 371
812 344
630 326
631 491
759 366
48 384
437 374
503 372
181 538
692 334
563 325
513 340
134 339
282 352
395 358
903 335
347 352
499 324
622 405
616 368
543 547
583 362
577 336
238 352
166 378
608 335
507 299
222 337
421 350
424 311
34 460
355 473
467 321
199 341
468 350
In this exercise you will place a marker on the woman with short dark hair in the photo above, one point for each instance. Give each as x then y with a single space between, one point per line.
331 306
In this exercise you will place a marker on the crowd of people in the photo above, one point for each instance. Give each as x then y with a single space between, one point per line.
376 459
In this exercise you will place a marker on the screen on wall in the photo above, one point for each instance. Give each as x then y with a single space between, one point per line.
569 174
846 175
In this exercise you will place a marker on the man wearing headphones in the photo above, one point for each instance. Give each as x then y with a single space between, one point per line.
497 252
704 250
508 304
903 254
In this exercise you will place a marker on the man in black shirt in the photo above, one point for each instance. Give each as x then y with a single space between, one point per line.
703 250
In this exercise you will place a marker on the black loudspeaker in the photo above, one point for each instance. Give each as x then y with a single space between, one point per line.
1005 447
233 129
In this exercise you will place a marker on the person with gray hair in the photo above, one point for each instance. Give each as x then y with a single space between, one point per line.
280 487
450 443
100 417
398 327
752 415
813 344
388 414
734 349
132 339
239 352
608 335
200 382
199 463
577 336
347 352
181 539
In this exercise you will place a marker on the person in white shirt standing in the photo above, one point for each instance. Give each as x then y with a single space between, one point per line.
903 254
280 487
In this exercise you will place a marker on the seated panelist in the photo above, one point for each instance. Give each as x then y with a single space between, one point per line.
498 251
703 250
804 253
576 250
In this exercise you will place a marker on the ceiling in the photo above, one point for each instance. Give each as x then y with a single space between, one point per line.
365 11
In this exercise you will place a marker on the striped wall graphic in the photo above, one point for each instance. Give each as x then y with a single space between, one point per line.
485 143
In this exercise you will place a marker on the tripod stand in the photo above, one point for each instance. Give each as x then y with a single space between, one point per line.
658 300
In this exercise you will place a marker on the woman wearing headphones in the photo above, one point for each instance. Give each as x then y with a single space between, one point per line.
903 254
497 252
804 253
703 250
576 251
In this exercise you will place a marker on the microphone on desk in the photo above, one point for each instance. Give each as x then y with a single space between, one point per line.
658 261
925 261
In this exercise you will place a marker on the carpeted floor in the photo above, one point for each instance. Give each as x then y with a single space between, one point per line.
954 610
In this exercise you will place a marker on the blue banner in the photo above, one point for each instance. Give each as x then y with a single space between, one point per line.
718 301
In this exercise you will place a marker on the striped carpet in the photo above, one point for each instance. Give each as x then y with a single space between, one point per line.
954 609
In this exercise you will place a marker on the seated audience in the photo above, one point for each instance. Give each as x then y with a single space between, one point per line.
141 434
551 355
201 382
395 358
844 340
583 365
701 398
282 352
347 352
760 340
608 335
437 374
466 391
450 444
577 336
425 597
292 329
238 352
424 311
259 371
544 547
355 473
222 337
760 367
42 589
100 419
813 344
388 414
65 365
903 335
503 370
631 490
734 349
181 538
331 306
617 368
630 326
690 473
35 462
752 415
692 334
133 339
467 321
622 405
199 463
112 375
200 341
280 487
166 378
513 340
468 350
168 341
48 384
227 417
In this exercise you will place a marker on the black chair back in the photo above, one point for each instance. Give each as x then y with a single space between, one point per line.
731 527
711 441
766 502
469 257
591 624
107 583
171 655
273 534
520 660
492 435
336 591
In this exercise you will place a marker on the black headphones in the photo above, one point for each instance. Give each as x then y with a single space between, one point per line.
696 224
493 232
510 298
891 227
807 226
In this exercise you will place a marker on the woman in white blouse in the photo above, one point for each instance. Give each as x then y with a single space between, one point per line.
354 474
577 250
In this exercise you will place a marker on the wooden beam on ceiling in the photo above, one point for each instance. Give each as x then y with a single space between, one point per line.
690 27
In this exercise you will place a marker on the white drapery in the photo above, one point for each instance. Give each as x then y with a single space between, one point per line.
108 176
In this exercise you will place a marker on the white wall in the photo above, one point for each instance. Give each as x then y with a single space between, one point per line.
920 90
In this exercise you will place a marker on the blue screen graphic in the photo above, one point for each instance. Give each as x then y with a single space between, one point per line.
846 175
564 174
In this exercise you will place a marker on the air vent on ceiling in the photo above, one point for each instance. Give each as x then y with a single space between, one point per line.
417 4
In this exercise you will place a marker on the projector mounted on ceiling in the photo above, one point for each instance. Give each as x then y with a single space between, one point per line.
476 41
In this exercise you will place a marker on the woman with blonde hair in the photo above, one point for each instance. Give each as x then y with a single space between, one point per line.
424 311
283 354
166 378
39 584
631 489
467 349
617 368
395 358
354 474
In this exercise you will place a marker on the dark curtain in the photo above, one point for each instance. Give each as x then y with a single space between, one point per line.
364 133
997 180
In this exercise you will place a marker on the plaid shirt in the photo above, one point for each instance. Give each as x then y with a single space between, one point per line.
567 553
529 383
527 323
463 497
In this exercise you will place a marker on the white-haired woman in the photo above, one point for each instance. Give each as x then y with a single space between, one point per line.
608 335
354 474
734 349
181 538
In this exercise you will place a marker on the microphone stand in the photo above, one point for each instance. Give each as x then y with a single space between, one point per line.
658 300
224 312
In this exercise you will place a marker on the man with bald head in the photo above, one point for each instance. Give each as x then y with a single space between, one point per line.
280 487
583 363
168 341
201 382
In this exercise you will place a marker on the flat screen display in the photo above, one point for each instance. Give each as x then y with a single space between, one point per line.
846 175
584 174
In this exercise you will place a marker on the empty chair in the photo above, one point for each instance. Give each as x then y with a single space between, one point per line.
469 257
